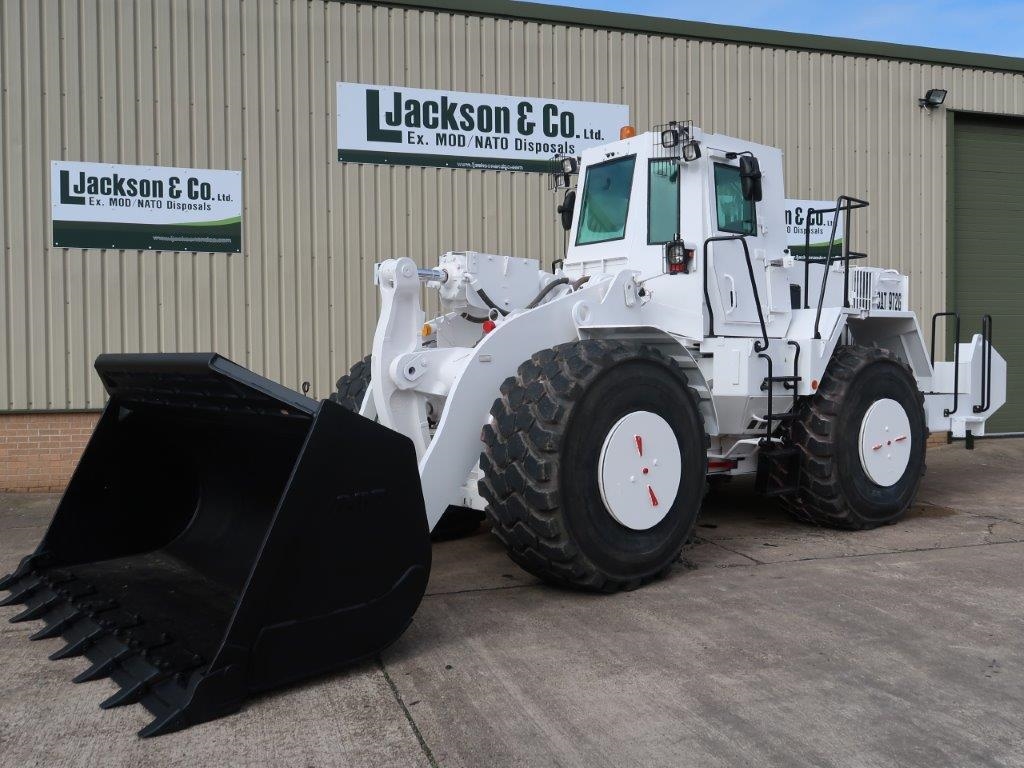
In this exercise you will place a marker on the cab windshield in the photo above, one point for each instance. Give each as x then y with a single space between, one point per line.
606 201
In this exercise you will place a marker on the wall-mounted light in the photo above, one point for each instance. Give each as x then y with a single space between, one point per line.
933 99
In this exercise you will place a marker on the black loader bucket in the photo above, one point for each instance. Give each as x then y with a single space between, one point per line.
224 535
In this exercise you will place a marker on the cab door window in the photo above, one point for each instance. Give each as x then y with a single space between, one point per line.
735 214
662 201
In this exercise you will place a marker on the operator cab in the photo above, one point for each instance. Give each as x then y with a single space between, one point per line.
651 201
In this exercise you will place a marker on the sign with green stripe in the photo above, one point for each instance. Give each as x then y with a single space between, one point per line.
805 216
453 129
139 207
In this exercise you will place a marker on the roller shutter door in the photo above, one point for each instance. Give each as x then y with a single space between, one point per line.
988 244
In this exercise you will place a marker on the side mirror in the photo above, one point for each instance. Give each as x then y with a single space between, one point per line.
565 209
750 178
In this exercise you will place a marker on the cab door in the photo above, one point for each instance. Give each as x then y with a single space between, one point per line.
731 214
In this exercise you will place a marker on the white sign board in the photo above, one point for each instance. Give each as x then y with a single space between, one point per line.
452 129
139 207
801 216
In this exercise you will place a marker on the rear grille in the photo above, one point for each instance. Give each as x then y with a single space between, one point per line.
862 291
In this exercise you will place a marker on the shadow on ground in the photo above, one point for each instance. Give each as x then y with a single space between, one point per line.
770 643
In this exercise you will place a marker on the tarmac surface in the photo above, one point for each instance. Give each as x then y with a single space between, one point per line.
772 644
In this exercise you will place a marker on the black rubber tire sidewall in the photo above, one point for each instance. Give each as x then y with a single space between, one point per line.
873 502
351 388
618 551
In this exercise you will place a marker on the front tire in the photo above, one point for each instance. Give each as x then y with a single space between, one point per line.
862 437
352 387
563 493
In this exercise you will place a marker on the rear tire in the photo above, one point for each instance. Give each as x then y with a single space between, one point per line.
544 463
851 478
456 522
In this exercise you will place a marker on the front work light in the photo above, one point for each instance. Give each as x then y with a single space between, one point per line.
691 151
564 167
669 138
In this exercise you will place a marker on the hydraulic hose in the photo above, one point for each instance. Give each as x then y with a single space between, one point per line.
536 299
577 283
546 290
487 300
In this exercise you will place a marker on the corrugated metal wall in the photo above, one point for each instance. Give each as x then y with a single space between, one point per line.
250 86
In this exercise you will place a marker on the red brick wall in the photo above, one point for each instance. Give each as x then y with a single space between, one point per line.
39 451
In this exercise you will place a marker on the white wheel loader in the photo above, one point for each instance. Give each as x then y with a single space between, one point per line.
223 534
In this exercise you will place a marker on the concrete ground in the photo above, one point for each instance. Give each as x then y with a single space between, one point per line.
772 644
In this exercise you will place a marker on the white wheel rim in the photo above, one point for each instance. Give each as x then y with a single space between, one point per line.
885 442
640 470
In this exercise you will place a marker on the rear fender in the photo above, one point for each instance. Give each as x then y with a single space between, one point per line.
898 333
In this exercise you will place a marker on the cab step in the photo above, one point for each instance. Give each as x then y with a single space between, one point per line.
788 382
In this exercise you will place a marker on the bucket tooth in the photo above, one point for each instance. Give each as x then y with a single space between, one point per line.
76 648
125 696
22 594
161 725
46 633
102 668
36 612
9 579
15 598
57 627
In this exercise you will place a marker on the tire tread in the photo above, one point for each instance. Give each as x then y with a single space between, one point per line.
520 458
820 499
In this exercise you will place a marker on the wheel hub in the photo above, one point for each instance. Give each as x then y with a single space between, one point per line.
885 442
640 470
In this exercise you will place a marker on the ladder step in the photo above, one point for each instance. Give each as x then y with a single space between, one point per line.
787 380
780 417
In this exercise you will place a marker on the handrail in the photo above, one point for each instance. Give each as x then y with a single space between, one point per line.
986 365
807 255
758 345
769 417
956 360
844 204
796 369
